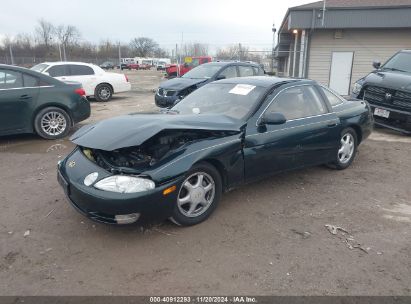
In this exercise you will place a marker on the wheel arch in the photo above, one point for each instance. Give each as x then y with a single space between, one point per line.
48 105
220 168
107 83
357 130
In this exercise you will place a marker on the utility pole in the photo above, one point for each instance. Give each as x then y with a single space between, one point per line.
64 52
119 56
11 55
60 52
272 53
239 52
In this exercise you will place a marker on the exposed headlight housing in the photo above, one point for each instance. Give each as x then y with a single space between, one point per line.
357 88
125 184
90 179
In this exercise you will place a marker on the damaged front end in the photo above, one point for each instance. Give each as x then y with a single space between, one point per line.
163 147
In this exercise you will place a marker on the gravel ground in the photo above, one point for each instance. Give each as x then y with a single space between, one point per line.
265 238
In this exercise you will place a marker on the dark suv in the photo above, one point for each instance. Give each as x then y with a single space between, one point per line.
172 91
388 90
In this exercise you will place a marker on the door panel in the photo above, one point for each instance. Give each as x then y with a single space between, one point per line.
340 74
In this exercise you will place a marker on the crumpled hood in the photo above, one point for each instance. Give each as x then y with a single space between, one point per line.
390 79
179 84
134 129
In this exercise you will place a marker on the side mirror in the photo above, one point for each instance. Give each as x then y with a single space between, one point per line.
219 77
272 118
46 73
376 64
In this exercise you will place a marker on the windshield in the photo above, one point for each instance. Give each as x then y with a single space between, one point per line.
203 71
400 62
234 100
40 67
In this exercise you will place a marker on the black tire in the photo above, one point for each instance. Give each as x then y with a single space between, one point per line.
341 162
41 126
209 172
103 92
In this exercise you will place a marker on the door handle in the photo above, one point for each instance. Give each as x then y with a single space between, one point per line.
25 97
332 124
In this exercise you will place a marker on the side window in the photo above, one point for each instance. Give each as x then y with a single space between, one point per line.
30 81
58 71
258 71
229 72
78 70
10 79
246 71
298 102
332 98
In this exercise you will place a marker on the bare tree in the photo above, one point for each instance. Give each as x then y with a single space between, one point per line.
195 49
233 52
44 31
67 35
143 46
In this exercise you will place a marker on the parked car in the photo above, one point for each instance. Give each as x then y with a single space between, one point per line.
144 66
388 90
123 66
172 91
107 65
31 102
96 82
174 70
133 66
161 66
229 132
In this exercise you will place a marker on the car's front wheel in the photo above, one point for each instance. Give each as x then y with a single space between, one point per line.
347 150
103 92
198 195
52 123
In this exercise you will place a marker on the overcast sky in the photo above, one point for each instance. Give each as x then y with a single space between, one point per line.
215 22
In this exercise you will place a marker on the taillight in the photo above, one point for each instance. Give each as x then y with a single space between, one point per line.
80 92
126 77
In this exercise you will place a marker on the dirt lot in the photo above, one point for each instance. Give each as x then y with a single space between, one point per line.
265 238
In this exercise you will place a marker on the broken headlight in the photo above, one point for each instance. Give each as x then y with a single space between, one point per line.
125 184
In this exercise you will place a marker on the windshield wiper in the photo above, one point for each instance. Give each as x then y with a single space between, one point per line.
394 69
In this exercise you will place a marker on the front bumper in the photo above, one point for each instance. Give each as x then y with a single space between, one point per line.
165 101
398 120
103 206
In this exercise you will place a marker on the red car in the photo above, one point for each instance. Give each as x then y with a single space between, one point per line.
190 63
133 66
144 66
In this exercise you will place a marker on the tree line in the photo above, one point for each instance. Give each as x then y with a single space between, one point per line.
64 42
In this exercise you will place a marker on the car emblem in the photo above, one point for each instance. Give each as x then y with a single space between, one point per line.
71 164
388 96
164 93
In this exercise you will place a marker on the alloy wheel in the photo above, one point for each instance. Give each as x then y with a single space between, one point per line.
53 123
104 93
196 194
346 150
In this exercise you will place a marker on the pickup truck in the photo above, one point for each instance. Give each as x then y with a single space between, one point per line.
174 70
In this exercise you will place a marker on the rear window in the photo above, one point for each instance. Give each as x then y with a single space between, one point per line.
258 71
30 81
78 70
40 67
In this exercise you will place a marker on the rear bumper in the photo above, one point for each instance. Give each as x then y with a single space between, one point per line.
122 87
82 110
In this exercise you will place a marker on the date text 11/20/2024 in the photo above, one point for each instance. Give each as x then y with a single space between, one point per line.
203 299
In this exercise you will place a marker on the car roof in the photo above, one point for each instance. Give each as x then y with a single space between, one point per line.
225 63
264 81
67 62
31 72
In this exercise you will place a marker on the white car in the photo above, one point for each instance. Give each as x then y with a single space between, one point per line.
96 82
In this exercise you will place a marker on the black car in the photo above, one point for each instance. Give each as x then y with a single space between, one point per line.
388 90
108 65
31 102
230 132
172 91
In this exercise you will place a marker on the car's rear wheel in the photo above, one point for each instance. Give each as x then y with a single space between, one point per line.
347 150
103 92
198 195
52 123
